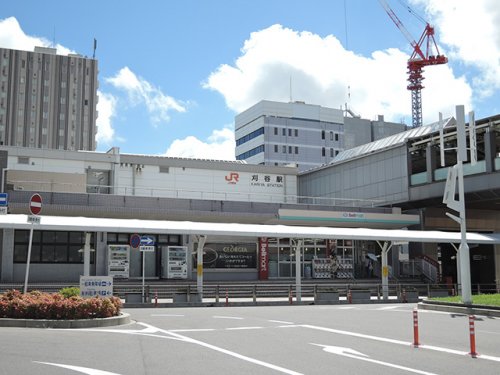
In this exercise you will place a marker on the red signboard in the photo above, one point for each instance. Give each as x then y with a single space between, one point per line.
263 258
35 204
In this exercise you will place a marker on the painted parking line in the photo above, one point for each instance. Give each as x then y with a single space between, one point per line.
400 342
227 317
224 351
83 370
169 315
279 321
242 328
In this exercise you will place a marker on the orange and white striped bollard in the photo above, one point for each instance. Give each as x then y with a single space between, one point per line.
415 328
472 332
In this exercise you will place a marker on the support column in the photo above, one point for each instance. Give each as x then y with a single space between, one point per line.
489 150
430 162
298 285
86 255
385 269
199 265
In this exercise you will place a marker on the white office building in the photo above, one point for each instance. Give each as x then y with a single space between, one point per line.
274 133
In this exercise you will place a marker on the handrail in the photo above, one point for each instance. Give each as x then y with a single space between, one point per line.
161 192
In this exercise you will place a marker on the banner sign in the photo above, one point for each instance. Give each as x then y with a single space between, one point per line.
228 256
263 258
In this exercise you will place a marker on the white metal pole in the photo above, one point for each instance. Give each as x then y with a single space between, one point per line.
86 255
464 248
28 260
199 265
143 276
298 286
459 278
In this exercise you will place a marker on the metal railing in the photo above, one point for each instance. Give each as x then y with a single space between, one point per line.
159 192
268 291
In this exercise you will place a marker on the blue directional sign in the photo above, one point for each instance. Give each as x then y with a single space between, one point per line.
147 241
4 199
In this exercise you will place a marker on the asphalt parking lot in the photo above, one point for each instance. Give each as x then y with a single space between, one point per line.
344 339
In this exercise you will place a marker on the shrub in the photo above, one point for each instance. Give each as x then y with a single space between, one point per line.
38 305
70 292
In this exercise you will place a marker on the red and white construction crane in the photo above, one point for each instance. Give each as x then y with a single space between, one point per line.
418 60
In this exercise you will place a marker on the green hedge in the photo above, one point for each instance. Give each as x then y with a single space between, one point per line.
38 305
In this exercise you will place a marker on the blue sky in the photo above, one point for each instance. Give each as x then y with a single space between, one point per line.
173 74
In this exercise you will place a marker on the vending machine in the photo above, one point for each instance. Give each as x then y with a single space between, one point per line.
119 261
177 262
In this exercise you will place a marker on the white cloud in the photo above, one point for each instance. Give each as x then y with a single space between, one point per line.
141 91
322 70
106 108
470 30
12 36
220 145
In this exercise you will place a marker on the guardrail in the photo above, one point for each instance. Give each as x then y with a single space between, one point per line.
256 291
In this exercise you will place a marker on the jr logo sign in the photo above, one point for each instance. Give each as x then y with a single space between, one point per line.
232 178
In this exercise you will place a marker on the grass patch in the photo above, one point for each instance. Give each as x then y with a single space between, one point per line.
481 299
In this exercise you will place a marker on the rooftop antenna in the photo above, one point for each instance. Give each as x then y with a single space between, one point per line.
95 47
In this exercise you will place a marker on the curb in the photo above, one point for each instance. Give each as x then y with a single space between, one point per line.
458 308
259 303
123 318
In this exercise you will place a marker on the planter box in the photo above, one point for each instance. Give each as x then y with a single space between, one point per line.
439 293
361 295
411 296
183 298
326 296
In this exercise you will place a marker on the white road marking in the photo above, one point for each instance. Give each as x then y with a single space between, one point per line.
350 353
242 328
225 351
387 308
84 370
280 321
193 330
168 315
227 317
399 342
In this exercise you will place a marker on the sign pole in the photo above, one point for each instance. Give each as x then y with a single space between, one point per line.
35 207
28 260
143 277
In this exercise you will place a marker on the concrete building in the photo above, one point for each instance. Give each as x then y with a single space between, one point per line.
274 133
123 186
404 171
47 100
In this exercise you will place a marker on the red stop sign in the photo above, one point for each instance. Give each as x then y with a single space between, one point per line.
35 204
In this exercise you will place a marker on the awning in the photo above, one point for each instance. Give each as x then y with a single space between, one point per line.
85 224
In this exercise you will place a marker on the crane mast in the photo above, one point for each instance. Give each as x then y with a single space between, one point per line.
418 60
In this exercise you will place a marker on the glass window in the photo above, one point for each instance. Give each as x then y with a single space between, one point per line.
296 149
284 149
296 132
61 253
48 253
323 151
275 148
322 134
289 132
20 253
284 131
275 131
74 254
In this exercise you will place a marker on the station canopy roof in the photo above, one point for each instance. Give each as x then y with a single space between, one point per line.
88 224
